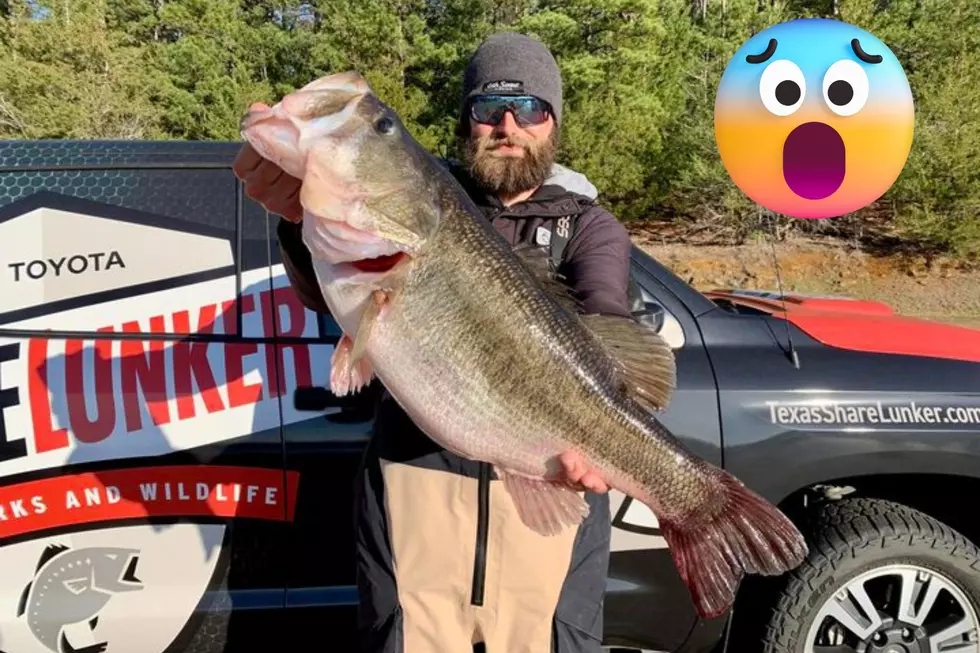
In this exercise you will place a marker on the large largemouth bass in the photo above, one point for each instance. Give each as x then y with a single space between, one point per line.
487 355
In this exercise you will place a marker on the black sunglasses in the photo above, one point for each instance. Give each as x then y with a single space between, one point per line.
527 109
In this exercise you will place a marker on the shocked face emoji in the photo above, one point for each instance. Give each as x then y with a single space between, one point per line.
814 118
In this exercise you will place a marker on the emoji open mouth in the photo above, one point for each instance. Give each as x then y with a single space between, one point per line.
813 160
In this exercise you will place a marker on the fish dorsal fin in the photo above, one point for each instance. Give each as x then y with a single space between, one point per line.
49 552
22 605
538 263
644 360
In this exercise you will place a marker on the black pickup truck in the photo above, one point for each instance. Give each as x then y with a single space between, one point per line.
175 476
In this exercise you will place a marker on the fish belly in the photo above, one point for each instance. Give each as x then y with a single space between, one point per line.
46 632
469 390
457 407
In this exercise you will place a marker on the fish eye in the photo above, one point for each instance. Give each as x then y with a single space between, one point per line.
845 87
782 87
385 126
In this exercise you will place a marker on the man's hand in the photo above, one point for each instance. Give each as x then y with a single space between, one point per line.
579 475
268 184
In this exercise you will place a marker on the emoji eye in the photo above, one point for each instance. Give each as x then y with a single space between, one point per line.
782 87
845 87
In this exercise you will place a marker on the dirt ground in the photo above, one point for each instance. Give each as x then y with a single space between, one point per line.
935 289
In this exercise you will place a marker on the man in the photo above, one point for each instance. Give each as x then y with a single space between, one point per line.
444 561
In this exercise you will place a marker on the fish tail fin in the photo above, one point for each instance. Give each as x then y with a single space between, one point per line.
746 535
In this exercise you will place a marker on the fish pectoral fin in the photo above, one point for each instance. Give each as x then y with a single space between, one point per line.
368 319
348 375
49 552
22 605
77 585
384 291
546 507
645 361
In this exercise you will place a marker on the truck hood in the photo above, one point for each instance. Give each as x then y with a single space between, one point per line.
860 325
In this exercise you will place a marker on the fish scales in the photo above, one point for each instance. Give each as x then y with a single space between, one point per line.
490 343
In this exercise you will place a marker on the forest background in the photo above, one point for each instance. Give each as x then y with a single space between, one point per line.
640 82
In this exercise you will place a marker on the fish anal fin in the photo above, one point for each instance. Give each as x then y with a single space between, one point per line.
538 263
645 361
546 507
94 648
745 535
22 604
49 552
347 375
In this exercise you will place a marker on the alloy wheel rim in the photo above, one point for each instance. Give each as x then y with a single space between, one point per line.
897 608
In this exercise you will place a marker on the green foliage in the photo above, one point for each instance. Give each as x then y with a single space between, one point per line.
640 81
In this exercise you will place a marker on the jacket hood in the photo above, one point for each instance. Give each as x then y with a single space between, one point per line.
572 181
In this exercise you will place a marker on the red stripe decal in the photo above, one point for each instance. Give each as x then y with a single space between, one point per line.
866 326
176 491
892 335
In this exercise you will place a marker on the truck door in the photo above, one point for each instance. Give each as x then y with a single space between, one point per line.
647 605
140 439
324 440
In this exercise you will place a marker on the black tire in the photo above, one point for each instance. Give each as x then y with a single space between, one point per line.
847 538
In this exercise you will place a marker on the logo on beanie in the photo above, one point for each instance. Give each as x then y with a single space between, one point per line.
504 86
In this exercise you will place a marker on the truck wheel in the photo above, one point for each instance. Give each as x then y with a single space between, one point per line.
880 578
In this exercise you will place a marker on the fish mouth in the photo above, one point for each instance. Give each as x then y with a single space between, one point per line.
814 160
323 96
349 81
282 133
257 112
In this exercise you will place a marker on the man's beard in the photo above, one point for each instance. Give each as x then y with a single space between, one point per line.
508 175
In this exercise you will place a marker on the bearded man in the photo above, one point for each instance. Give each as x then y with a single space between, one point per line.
444 562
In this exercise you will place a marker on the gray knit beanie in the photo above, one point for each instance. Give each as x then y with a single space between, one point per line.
513 64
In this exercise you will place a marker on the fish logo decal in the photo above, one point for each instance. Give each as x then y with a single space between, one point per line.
72 587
